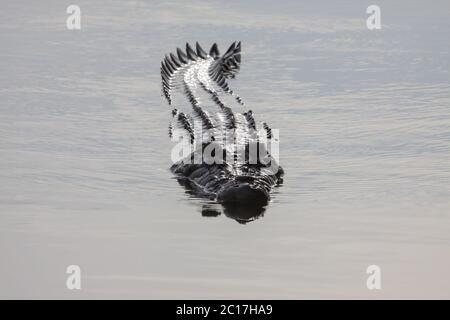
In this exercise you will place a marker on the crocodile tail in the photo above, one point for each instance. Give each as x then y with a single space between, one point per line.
192 73
183 122
227 65
221 68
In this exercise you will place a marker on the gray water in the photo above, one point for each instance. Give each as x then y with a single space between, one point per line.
364 119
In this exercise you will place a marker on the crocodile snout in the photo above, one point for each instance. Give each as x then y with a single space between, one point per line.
243 193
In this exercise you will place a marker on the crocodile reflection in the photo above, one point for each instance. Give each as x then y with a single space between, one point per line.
242 213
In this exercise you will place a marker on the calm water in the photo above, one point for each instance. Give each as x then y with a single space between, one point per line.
364 119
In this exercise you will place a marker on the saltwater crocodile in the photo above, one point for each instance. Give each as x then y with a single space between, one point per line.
227 158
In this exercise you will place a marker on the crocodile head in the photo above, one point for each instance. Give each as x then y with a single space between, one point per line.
244 193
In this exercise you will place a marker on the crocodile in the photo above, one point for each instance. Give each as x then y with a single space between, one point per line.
227 158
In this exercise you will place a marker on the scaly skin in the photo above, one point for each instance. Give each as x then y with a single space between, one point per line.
201 78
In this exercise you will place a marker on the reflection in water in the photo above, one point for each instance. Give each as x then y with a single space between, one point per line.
364 119
208 211
239 212
244 213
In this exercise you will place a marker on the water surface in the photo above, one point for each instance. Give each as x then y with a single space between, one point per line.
364 119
